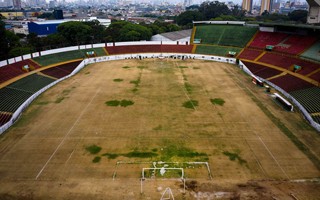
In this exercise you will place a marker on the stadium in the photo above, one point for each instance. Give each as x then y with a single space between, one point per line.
232 114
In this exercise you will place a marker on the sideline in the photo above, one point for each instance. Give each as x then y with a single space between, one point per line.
66 135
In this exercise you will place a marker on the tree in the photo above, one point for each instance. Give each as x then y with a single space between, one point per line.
274 17
298 16
172 27
113 30
187 17
225 18
75 32
192 7
34 41
213 9
54 41
3 42
19 51
46 15
155 29
98 31
134 32
238 12
12 39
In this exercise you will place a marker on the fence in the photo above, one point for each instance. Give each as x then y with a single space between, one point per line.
87 46
306 115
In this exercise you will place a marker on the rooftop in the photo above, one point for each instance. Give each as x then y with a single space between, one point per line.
176 35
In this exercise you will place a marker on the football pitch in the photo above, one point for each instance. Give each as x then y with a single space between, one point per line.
91 136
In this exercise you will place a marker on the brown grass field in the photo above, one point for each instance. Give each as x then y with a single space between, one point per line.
248 141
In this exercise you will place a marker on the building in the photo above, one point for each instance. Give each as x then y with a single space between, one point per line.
265 6
17 4
12 15
314 12
22 30
58 14
179 36
44 28
247 5
103 22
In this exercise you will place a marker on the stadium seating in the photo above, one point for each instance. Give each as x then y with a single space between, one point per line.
225 35
11 99
282 42
308 98
13 95
216 50
296 44
149 49
61 70
316 76
291 83
286 62
31 83
267 38
4 117
261 70
253 67
15 69
66 56
313 52
249 54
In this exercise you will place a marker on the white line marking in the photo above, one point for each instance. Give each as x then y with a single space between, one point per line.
70 156
64 138
273 157
184 90
256 133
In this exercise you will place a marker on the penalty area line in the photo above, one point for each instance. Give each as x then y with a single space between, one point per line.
66 135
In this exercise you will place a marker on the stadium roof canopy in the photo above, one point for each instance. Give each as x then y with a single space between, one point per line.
183 35
306 26
268 24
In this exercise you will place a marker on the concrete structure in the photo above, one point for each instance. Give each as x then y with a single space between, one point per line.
22 30
12 15
247 5
179 36
17 4
103 22
44 28
314 12
265 6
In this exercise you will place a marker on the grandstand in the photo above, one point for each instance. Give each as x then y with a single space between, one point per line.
261 70
61 70
291 83
16 93
224 35
312 53
306 98
262 39
287 62
15 69
250 54
112 50
283 42
216 50
66 56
